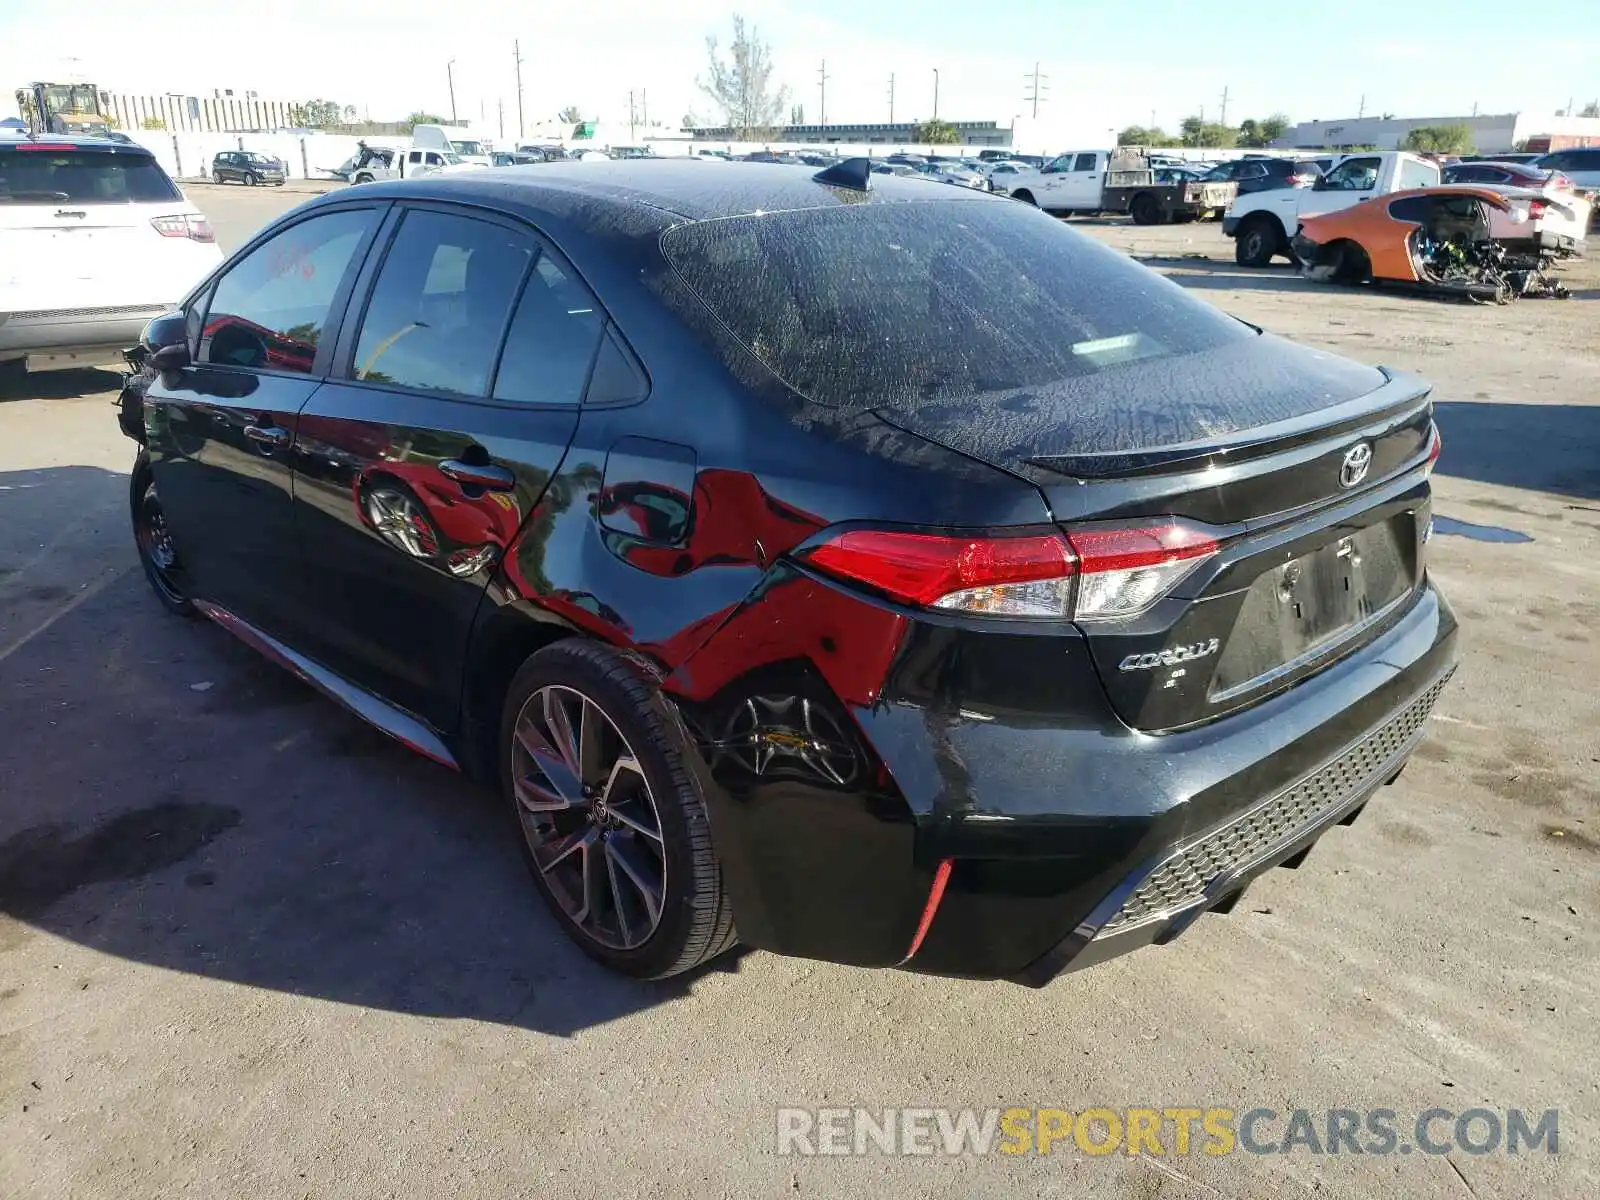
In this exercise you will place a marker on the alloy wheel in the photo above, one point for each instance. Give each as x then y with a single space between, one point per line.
589 817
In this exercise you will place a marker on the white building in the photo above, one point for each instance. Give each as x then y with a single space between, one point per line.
1495 133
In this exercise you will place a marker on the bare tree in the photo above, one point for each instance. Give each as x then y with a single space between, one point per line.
741 85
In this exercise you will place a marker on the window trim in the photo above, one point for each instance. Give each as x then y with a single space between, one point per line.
323 360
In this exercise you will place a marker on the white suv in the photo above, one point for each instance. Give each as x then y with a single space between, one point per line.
95 240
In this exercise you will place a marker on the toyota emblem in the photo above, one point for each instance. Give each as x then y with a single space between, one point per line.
1357 461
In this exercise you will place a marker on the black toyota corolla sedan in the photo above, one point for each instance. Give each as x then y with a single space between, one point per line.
839 564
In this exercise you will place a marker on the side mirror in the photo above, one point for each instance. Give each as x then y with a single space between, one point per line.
173 357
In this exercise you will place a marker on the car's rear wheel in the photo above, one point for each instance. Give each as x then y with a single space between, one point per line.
614 826
158 553
1026 197
1146 209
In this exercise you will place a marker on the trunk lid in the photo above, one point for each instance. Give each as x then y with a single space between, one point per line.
1321 542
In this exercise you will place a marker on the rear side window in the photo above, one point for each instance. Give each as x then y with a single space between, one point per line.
1414 174
269 310
552 339
75 176
870 305
440 304
1086 162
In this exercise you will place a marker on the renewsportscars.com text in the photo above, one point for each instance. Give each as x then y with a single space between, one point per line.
1163 1131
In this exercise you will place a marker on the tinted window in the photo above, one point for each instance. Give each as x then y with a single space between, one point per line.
270 308
440 304
864 305
1252 171
83 177
1411 208
552 339
1086 162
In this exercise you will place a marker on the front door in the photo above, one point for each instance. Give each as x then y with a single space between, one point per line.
1079 187
221 428
1352 181
417 465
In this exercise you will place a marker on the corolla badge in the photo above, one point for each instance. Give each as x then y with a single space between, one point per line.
1357 462
1170 657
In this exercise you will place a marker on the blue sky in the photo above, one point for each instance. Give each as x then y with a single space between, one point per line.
1109 64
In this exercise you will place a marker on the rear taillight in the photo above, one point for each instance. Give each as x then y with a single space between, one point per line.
1560 182
1119 572
185 225
1536 209
1435 448
1126 570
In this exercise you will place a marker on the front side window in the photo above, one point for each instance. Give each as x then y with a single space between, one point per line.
1354 175
268 311
441 303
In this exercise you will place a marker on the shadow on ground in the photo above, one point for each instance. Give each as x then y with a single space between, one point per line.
62 385
1542 447
169 797
1210 274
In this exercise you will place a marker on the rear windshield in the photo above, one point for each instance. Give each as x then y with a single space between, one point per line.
82 177
878 305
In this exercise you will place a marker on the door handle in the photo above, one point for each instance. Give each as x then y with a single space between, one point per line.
483 475
267 435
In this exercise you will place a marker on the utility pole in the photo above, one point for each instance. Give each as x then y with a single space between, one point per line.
1037 85
822 87
450 74
502 105
516 53
936 93
891 97
1223 119
1361 109
644 109
631 119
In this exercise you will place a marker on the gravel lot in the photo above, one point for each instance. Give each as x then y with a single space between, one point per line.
249 947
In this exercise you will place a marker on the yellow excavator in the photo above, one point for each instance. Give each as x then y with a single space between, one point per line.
63 108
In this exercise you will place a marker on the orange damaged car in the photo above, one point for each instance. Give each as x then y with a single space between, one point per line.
1434 238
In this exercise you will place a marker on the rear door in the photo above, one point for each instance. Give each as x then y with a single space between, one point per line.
459 382
220 430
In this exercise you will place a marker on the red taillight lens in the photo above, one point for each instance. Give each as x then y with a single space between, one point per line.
1120 571
933 570
190 225
1536 209
1560 182
1435 448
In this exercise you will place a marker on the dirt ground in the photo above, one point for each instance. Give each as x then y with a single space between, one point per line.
250 948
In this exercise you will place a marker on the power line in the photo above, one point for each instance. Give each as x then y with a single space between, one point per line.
1038 85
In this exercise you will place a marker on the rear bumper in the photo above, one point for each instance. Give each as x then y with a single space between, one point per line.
1070 837
75 333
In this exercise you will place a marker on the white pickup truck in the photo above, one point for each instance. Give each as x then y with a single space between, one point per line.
1263 224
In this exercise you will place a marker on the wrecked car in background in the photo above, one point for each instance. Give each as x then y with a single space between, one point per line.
1438 239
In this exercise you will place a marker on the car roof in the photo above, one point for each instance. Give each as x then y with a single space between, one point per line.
683 189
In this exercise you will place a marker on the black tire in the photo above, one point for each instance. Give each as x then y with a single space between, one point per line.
1355 267
1025 197
1145 209
160 563
252 179
696 920
363 177
1258 241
